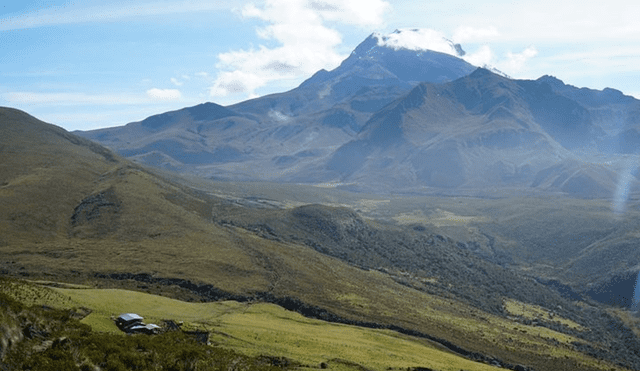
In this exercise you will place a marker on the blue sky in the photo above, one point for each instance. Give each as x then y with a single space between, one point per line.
90 64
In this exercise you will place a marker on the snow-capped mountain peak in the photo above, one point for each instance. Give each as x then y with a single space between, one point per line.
419 39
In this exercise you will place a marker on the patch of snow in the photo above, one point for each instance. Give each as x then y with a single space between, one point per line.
419 39
422 39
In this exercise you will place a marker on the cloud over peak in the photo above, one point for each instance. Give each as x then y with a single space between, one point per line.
483 56
305 42
417 39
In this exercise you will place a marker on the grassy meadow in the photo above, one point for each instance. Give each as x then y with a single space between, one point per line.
257 329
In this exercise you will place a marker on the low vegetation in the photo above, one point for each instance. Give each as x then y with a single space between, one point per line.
239 333
530 313
42 339
266 331
72 211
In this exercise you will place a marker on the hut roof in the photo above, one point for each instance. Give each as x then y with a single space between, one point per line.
128 317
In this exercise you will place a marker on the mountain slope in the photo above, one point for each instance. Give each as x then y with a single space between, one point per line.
71 210
398 118
371 69
276 134
617 115
610 108
483 130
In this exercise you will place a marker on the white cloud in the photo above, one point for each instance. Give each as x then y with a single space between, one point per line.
541 21
417 39
516 61
176 82
164 94
306 43
236 82
481 57
465 34
484 56
511 63
355 12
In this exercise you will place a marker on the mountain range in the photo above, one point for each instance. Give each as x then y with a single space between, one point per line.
394 120
429 121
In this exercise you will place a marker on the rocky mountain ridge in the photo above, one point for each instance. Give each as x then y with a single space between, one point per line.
428 121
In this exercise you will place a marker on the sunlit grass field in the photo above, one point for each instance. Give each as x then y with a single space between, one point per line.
266 329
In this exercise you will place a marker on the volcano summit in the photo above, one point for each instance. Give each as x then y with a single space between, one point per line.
426 119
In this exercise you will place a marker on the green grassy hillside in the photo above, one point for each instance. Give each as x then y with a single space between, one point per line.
580 242
259 329
53 339
266 329
72 211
